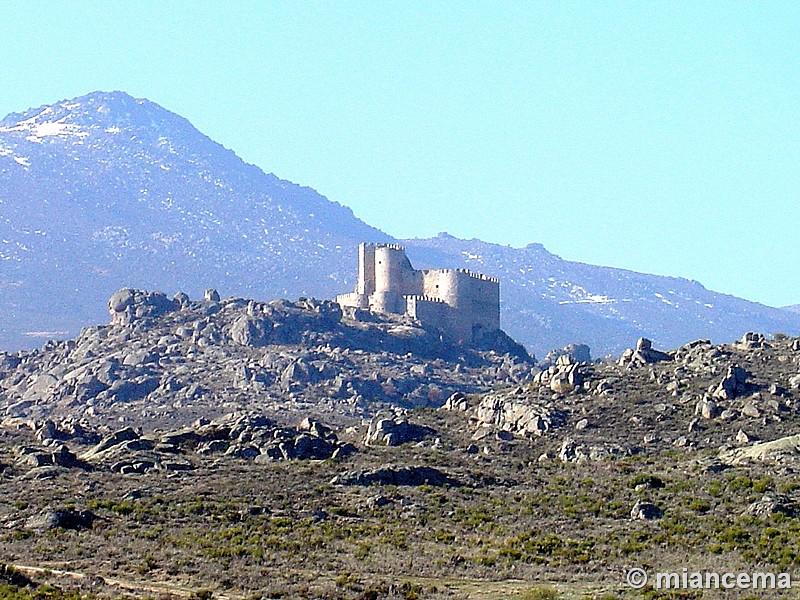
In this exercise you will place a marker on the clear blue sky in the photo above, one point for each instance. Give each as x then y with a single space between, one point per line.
657 136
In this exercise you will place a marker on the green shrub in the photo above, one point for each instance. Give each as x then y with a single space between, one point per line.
541 593
699 505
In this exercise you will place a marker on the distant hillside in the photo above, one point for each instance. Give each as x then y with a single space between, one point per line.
549 302
108 191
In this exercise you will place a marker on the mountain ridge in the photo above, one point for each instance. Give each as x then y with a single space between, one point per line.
606 306
146 200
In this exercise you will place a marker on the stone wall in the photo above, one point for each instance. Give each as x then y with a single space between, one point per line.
430 310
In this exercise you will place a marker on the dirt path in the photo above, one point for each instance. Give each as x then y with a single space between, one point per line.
471 588
144 587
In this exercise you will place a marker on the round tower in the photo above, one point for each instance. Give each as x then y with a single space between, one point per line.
449 288
390 265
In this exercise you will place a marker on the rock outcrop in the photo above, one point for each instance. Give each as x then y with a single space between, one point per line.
396 475
565 376
518 414
247 436
62 518
772 504
390 430
781 450
643 354
733 384
128 305
646 511
577 353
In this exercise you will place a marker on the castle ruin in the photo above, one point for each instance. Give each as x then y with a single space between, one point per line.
463 305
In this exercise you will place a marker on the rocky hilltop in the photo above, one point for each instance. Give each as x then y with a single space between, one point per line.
169 361
143 199
168 364
229 447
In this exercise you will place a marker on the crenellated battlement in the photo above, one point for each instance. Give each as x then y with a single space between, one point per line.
480 276
387 246
463 304
467 272
425 298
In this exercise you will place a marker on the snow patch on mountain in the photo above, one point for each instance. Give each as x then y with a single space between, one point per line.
37 129
590 299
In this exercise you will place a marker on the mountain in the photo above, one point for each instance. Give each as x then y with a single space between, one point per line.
107 191
549 302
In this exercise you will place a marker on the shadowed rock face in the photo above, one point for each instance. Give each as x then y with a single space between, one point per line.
395 475
64 518
389 431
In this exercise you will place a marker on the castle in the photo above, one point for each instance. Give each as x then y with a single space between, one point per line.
463 305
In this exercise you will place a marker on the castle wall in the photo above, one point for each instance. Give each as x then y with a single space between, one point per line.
479 305
429 310
354 299
440 283
475 298
462 304
394 279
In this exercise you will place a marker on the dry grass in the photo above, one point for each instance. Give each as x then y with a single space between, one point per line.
517 527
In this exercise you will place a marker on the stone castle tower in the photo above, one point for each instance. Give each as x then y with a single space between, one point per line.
462 304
